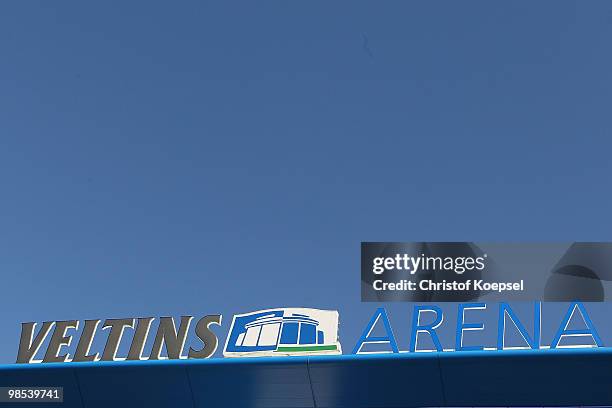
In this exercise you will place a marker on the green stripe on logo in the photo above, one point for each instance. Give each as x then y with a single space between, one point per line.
307 348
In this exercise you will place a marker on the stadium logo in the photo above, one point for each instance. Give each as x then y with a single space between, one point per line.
286 331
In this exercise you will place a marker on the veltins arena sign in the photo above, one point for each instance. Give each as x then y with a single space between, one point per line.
289 332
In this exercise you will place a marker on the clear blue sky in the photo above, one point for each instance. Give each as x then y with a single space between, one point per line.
167 159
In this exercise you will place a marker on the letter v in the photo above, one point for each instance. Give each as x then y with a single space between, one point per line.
28 347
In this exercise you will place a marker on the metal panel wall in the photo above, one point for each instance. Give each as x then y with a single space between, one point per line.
487 378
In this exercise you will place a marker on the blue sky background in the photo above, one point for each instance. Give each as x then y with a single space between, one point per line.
167 159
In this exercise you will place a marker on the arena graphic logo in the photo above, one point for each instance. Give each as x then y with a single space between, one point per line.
288 331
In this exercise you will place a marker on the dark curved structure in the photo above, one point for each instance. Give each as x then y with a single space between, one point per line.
534 378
